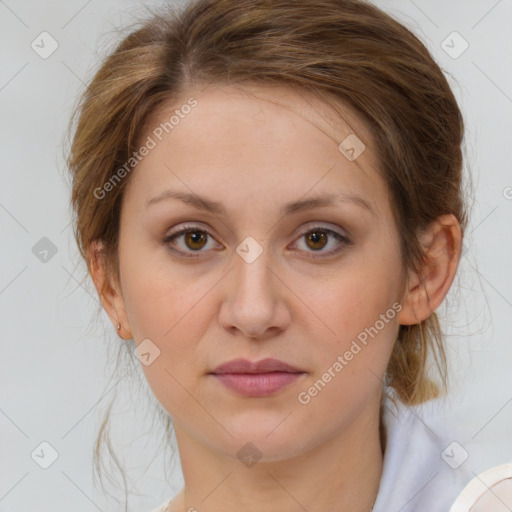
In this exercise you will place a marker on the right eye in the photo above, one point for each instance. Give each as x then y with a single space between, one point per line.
193 241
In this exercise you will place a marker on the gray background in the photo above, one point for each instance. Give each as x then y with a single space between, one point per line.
55 371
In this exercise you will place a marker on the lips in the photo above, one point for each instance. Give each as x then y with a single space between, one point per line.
268 365
256 379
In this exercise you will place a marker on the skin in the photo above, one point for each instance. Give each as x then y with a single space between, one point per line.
240 147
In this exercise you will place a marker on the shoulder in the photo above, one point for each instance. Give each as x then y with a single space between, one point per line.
423 466
491 491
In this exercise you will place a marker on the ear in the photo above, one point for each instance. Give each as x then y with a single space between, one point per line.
442 243
108 289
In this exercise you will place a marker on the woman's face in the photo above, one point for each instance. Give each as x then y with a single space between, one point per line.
269 272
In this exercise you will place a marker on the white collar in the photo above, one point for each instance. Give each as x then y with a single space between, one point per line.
417 476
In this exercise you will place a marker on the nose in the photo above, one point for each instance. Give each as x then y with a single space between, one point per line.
255 302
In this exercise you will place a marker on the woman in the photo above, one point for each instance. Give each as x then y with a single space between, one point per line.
268 197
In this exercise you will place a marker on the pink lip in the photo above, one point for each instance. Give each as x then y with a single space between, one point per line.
260 378
264 366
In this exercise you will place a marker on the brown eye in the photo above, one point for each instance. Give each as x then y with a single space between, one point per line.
190 242
195 240
316 239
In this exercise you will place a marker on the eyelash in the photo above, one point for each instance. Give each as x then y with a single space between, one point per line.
196 254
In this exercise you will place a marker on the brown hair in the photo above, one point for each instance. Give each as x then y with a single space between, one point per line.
346 50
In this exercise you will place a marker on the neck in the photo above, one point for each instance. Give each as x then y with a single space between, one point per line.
342 473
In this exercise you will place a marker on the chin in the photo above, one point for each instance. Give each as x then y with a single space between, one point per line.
274 438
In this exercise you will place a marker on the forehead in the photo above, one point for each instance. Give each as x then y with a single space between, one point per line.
284 106
272 133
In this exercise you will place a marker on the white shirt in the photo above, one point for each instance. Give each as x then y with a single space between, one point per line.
424 471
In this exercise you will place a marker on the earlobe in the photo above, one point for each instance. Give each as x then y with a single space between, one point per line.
107 289
442 242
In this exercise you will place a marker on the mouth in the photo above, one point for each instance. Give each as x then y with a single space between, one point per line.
257 379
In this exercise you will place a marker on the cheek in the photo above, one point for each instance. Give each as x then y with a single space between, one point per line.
351 364
159 298
173 314
354 298
171 308
359 306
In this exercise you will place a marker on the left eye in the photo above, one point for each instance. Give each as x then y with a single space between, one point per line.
316 238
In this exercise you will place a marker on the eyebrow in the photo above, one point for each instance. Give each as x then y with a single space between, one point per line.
319 201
